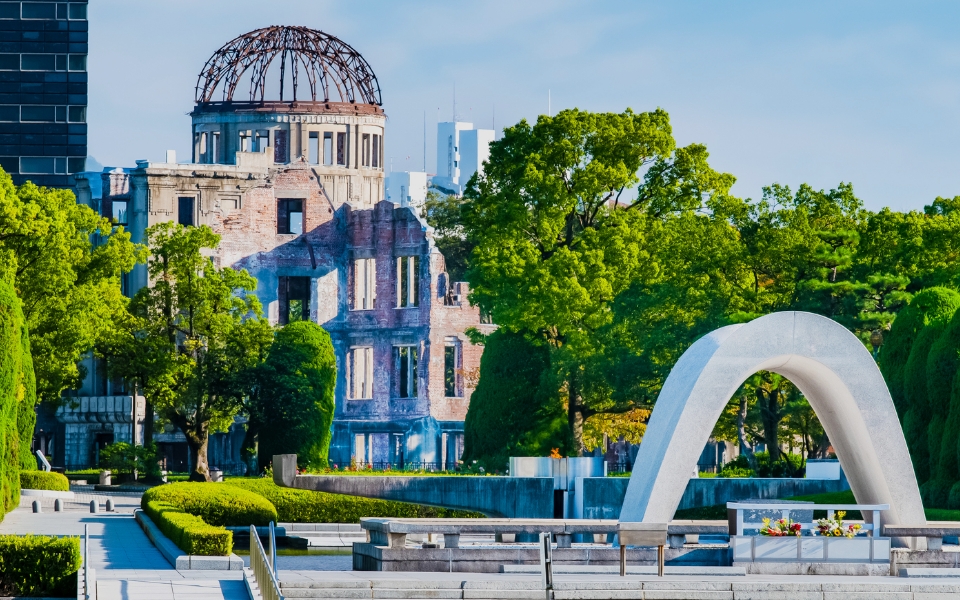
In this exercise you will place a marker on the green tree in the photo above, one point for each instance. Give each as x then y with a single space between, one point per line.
292 408
442 212
65 262
515 409
191 336
895 352
555 240
17 397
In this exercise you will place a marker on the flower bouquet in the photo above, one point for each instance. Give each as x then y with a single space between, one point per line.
836 527
780 527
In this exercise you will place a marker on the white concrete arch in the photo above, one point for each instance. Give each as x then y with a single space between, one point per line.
827 363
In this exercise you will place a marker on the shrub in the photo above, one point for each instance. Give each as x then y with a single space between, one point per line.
789 465
123 459
915 394
189 532
17 397
42 480
36 565
304 506
515 409
215 504
294 409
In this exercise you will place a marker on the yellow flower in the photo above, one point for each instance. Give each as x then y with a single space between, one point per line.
841 514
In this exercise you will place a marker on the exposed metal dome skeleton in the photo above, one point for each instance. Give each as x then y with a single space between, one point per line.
330 65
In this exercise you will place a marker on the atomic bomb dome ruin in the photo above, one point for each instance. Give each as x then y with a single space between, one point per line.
288 135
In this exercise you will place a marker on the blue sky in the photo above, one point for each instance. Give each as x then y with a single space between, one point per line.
815 92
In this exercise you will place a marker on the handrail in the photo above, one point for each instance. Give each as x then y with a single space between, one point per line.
265 576
86 562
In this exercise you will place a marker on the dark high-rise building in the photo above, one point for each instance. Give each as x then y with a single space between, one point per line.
43 91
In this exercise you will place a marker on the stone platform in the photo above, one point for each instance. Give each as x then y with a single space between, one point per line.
314 584
490 558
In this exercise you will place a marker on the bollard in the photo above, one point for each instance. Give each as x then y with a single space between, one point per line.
57 505
94 507
36 506
109 504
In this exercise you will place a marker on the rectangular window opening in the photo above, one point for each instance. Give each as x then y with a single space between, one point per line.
38 113
185 210
360 373
290 215
294 297
9 10
78 12
327 148
215 147
263 141
118 212
405 361
313 151
39 10
407 281
39 62
364 283
451 370
341 148
376 151
365 150
280 146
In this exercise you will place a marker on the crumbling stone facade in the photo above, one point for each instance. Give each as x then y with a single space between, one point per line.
296 191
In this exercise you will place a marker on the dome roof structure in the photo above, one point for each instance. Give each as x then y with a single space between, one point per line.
334 73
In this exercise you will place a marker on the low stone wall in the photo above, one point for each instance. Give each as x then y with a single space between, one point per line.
488 559
603 496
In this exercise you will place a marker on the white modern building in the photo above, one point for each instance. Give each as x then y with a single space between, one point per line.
461 152
407 188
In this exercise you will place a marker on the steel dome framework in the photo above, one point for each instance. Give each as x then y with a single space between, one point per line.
335 72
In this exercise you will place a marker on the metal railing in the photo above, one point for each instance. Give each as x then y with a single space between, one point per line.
264 567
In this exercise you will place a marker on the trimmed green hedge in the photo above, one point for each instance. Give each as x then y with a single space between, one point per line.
42 480
37 565
303 506
215 504
187 531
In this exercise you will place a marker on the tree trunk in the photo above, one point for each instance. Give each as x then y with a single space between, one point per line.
148 424
197 440
249 450
575 414
770 415
745 448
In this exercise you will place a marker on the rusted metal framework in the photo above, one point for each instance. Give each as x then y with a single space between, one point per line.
330 65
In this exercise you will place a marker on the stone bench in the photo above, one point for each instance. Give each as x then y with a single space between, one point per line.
933 531
393 532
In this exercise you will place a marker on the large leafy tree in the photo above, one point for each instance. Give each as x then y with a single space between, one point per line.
191 337
556 233
65 262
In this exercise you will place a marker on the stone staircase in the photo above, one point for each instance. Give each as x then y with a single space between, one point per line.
614 588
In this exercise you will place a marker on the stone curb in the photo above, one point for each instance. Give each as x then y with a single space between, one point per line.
46 493
180 560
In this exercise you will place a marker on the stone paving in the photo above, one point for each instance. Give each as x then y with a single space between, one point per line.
128 565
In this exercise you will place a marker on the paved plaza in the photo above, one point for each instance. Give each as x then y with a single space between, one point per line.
128 566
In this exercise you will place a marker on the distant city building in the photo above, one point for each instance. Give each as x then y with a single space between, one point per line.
295 189
461 151
43 91
407 188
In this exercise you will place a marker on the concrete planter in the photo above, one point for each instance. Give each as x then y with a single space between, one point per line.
814 549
